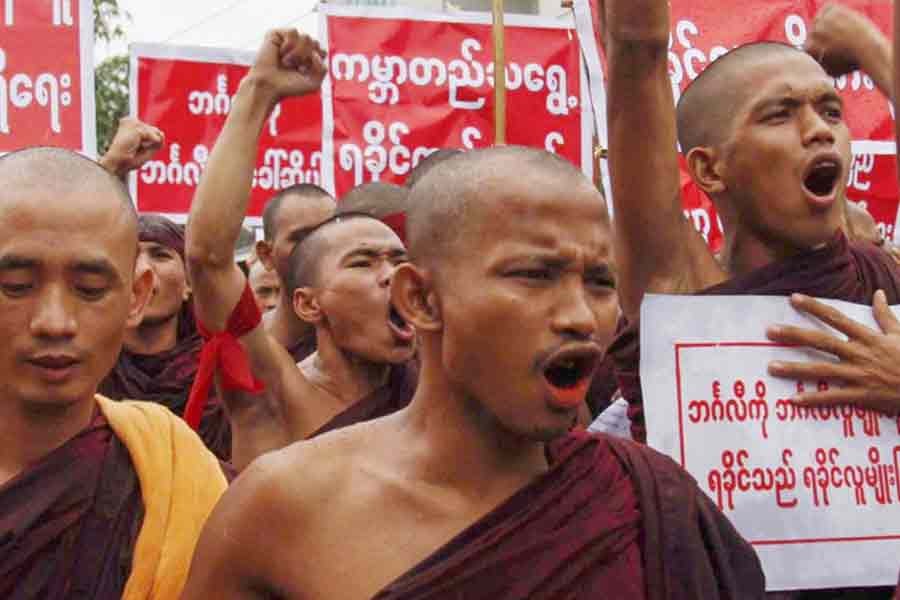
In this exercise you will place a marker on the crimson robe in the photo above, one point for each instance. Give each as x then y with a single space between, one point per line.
610 519
166 378
389 398
68 524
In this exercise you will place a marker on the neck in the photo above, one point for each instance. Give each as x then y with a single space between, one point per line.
345 376
30 432
152 338
448 443
285 326
745 252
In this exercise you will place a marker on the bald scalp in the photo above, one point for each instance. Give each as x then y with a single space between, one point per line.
306 257
57 170
448 204
301 192
707 107
376 198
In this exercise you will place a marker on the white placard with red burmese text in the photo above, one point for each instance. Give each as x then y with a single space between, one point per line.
47 75
816 491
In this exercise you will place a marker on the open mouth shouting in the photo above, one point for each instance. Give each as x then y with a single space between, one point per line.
402 330
567 373
821 178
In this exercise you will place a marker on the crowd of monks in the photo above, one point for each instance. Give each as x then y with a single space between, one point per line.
398 396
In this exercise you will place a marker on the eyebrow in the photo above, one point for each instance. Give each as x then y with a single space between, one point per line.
12 262
791 101
373 253
96 266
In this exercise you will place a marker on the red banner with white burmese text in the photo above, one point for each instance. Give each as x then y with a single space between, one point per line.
188 92
403 84
47 75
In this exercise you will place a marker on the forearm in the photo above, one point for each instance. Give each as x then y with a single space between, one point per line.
221 200
876 61
643 162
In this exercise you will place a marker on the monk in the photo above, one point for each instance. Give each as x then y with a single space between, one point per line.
428 163
763 133
265 285
478 488
339 277
286 218
98 499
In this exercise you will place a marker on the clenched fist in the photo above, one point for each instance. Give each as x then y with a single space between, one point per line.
133 145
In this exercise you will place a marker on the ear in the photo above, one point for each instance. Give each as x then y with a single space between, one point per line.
141 288
414 297
264 253
706 170
306 305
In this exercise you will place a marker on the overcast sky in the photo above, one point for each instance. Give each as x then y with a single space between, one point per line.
225 23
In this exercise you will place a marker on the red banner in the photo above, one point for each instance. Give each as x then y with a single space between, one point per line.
187 92
402 85
703 31
47 76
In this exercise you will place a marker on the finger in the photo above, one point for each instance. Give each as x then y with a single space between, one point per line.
831 316
883 313
813 371
849 395
811 338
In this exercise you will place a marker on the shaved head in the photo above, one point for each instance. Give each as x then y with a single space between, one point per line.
446 205
303 193
428 163
710 102
56 170
376 198
307 255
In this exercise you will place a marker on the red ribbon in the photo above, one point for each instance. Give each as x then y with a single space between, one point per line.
223 352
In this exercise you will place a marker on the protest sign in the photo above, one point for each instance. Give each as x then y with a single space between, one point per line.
403 84
47 75
188 92
815 490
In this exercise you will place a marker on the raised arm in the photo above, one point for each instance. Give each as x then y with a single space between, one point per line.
657 248
843 40
133 145
288 64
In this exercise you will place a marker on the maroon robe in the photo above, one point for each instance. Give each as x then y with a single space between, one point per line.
166 379
69 523
304 347
389 398
610 519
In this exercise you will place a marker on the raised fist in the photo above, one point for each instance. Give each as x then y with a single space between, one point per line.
838 39
134 144
289 64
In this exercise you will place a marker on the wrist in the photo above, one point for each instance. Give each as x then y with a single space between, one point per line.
113 164
256 95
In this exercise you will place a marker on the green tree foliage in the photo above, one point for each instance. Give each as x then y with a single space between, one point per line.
110 76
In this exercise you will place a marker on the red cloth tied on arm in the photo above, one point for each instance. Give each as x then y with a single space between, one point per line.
223 351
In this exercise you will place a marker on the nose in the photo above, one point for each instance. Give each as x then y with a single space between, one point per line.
816 129
385 273
574 316
53 315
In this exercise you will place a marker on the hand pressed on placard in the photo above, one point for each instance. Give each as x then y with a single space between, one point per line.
133 145
289 64
869 360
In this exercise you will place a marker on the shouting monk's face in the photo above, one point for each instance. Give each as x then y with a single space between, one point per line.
170 286
786 154
528 301
354 262
67 289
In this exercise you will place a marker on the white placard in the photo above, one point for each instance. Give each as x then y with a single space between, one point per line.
816 491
